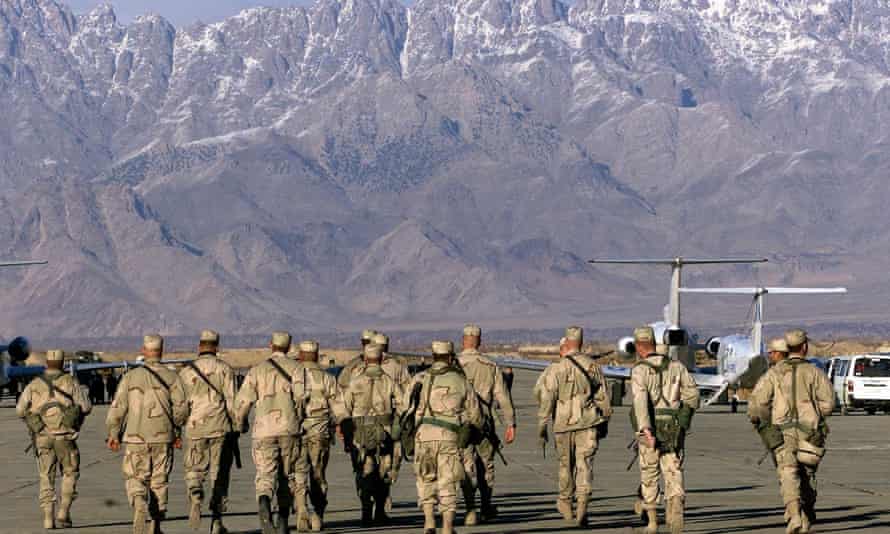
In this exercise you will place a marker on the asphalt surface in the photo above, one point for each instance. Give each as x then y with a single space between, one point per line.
728 492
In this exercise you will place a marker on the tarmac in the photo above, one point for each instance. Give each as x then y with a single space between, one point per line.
727 491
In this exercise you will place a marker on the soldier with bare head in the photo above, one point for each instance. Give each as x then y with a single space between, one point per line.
369 427
53 407
789 406
281 469
447 410
573 394
317 391
147 415
487 380
665 398
211 438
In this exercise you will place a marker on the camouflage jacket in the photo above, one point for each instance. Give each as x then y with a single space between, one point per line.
345 375
445 395
145 410
396 367
210 415
372 392
317 391
488 381
564 395
36 400
276 412
773 397
649 393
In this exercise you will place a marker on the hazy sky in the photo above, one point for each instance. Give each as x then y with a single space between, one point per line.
180 12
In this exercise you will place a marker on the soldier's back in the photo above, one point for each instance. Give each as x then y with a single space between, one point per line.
270 391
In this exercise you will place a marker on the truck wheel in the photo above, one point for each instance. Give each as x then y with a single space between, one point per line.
871 411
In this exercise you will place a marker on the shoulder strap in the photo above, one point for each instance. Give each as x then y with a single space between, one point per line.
191 365
280 370
594 385
155 374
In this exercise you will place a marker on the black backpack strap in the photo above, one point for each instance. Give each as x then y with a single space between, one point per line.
280 370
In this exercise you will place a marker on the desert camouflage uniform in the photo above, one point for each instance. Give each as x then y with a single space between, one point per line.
651 396
446 396
208 427
797 459
396 367
345 375
317 390
371 402
487 380
56 444
564 396
281 469
147 416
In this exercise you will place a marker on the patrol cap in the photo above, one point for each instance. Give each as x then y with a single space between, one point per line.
795 337
55 355
380 339
574 333
281 339
472 330
443 347
309 346
644 334
153 342
367 334
209 336
373 352
778 345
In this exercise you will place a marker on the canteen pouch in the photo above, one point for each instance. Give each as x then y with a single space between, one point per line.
771 435
684 416
668 435
808 453
72 417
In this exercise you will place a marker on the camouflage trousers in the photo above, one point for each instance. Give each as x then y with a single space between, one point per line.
439 470
208 458
317 451
372 471
478 463
281 470
797 480
655 464
54 454
147 468
576 450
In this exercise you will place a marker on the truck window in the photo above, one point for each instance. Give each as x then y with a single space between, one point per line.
872 368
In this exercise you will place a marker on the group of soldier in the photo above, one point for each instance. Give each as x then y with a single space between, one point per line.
443 417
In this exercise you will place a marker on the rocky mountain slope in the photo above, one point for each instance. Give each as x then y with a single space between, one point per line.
362 162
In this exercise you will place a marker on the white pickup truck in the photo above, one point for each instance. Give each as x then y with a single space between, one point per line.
861 382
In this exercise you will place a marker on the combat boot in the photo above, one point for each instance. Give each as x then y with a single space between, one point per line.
302 516
48 518
565 509
140 516
429 519
652 513
380 517
195 511
793 515
264 505
283 527
63 518
674 518
216 527
316 521
470 518
489 510
581 511
367 513
448 523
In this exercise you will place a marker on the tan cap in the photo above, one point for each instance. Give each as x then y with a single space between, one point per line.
373 352
472 330
778 345
574 333
380 339
644 334
795 337
281 339
153 342
309 346
55 355
209 336
367 334
443 347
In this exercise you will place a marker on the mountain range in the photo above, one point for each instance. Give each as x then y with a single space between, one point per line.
362 162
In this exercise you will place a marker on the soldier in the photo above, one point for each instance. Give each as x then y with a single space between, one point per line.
396 367
346 373
212 439
778 350
277 449
317 391
487 380
789 406
447 411
573 393
368 426
54 407
665 398
147 413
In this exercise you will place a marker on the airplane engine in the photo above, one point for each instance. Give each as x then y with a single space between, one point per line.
19 349
712 347
626 345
